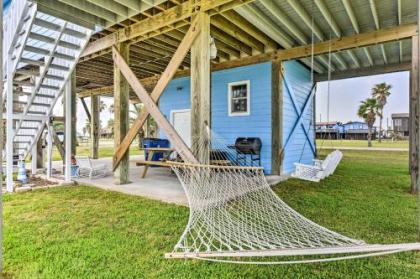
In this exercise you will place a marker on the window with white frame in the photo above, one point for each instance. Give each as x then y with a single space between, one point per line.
239 98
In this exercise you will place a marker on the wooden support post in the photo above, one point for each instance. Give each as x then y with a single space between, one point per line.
121 120
34 160
200 92
73 123
276 116
163 81
40 153
68 130
150 105
414 116
49 149
94 127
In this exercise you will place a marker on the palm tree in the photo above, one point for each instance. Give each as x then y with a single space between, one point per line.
368 110
381 92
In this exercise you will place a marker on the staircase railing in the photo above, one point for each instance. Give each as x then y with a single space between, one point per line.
12 22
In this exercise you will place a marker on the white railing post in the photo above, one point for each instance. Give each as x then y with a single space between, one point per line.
34 165
68 136
9 125
49 149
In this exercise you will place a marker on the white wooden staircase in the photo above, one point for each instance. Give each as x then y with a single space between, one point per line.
41 54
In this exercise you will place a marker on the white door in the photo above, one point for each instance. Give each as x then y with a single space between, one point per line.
181 120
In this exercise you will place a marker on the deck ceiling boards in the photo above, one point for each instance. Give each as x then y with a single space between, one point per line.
100 13
237 36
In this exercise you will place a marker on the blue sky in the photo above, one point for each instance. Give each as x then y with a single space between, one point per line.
346 94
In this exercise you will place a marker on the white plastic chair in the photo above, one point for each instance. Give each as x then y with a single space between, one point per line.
320 169
90 168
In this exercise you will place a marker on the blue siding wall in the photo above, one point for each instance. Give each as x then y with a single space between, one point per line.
298 148
257 124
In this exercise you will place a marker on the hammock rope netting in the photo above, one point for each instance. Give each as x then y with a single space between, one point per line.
235 213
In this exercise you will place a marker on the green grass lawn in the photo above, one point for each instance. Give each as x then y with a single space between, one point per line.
362 143
83 232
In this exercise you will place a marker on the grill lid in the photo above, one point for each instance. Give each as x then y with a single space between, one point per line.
248 145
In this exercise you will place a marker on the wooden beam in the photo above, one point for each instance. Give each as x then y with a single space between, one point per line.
276 116
200 90
365 71
94 127
71 14
359 40
161 20
249 28
153 109
236 32
344 43
166 76
121 117
93 9
414 107
82 99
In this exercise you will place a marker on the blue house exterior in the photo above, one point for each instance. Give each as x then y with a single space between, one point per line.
354 125
258 121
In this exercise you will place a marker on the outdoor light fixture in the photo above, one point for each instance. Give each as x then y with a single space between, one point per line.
213 49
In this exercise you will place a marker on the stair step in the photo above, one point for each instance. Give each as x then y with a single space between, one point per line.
50 40
24 135
56 27
21 142
64 56
53 87
59 67
29 128
32 62
32 120
33 103
27 72
37 50
40 95
36 112
23 83
41 104
54 77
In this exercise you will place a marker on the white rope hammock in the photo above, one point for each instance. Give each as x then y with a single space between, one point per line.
234 213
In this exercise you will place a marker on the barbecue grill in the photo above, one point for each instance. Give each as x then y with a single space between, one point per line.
248 148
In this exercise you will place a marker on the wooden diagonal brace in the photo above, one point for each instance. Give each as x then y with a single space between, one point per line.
153 109
165 78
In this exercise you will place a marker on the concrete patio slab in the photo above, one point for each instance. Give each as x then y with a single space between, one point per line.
160 183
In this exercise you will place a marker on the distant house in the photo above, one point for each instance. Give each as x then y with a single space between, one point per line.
400 122
357 130
328 130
